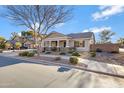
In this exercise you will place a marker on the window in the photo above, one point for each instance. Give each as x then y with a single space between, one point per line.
76 44
79 43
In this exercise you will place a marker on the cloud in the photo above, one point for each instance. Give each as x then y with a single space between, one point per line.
19 33
103 7
107 11
59 25
96 29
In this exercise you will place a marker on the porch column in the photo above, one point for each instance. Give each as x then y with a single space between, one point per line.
58 43
58 47
67 43
50 45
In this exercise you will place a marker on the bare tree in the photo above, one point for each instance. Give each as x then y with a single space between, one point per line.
38 18
105 36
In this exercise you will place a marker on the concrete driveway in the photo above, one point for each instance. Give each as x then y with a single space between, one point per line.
17 73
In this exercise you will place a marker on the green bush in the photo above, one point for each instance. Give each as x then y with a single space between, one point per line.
92 54
25 53
35 51
76 54
62 53
73 60
30 54
71 51
2 46
54 49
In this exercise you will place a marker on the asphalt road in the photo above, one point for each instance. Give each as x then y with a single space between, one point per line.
18 73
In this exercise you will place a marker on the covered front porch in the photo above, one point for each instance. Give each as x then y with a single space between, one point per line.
56 45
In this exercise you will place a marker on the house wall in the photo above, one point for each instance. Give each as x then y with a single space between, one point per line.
87 44
92 40
88 41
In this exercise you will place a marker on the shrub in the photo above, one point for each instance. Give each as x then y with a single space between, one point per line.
76 54
54 49
71 51
35 51
62 53
98 50
2 46
92 54
30 54
8 45
48 52
57 58
18 45
73 60
25 53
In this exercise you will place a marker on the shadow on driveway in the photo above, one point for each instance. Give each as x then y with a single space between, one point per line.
5 61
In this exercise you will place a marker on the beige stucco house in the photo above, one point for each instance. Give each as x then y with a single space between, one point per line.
59 42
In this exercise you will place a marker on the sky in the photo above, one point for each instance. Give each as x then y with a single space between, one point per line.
85 18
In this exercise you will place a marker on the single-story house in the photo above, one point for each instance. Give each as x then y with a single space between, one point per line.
59 41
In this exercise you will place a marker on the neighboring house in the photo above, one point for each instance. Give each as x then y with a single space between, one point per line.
59 41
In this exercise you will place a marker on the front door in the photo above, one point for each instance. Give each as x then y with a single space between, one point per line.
64 44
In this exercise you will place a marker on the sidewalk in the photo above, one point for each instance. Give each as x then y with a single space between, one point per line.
99 66
93 66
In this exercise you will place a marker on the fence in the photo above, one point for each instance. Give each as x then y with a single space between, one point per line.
105 47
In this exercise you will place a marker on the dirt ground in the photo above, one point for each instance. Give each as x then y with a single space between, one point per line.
63 61
112 58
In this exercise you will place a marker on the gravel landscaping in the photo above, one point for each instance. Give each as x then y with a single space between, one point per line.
63 61
112 58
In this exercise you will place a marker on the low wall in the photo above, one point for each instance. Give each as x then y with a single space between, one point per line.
121 50
105 47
